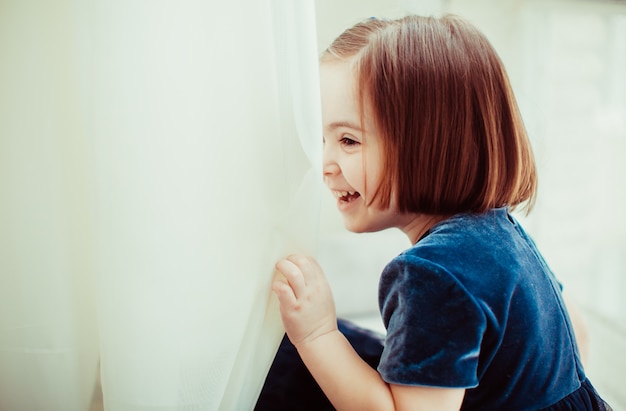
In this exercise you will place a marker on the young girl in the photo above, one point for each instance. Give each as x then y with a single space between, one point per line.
422 133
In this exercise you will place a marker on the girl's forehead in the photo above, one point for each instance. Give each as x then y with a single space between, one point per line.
338 93
338 74
341 102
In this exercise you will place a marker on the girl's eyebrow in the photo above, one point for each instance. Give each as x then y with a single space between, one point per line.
346 124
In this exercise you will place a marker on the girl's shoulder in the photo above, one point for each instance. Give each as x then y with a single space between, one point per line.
474 251
476 226
470 236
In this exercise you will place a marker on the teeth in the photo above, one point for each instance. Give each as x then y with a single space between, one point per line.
339 194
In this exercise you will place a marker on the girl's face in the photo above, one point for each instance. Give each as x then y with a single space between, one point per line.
352 156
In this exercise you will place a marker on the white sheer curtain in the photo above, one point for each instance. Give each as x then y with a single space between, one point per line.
156 158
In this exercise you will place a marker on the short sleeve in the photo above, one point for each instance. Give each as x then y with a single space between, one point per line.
434 327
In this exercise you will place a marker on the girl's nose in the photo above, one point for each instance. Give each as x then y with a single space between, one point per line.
330 166
330 169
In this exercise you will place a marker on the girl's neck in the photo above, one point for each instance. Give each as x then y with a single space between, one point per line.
419 225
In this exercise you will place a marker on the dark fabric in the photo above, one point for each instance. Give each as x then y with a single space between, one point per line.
474 305
584 398
290 387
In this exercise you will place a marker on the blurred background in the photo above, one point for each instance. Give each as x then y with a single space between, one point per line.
567 64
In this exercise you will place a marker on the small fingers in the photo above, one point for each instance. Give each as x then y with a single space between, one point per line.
309 268
293 275
284 292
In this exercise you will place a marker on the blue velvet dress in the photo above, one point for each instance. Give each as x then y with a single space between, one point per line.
472 305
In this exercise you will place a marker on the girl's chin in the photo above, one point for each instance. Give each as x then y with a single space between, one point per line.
360 227
352 226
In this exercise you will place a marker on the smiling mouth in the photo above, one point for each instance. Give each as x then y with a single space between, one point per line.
346 196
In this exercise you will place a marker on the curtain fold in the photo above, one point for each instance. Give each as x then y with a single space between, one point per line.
48 334
156 159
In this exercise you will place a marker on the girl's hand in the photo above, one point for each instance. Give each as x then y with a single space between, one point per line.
306 302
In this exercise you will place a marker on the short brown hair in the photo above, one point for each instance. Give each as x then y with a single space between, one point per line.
453 137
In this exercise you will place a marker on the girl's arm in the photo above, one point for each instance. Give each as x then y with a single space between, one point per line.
308 313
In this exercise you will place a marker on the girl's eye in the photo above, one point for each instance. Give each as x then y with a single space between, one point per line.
347 141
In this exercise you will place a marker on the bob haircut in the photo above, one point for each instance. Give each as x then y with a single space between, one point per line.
452 136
